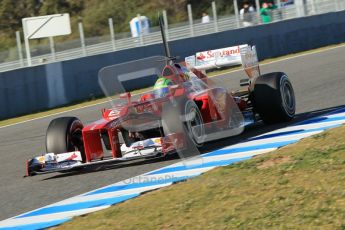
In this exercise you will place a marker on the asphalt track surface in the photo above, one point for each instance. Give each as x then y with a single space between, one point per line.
319 84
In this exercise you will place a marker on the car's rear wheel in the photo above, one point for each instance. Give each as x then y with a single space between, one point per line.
64 134
273 98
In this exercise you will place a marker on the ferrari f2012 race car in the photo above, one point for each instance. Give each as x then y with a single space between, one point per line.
177 119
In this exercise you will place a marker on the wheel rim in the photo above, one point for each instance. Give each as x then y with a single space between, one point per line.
195 124
288 98
74 137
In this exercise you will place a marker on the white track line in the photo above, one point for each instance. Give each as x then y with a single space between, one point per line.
221 157
49 217
217 75
306 127
107 195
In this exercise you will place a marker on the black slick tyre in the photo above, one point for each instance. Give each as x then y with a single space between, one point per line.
64 134
273 98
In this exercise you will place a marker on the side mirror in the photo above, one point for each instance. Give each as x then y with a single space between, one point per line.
172 89
126 95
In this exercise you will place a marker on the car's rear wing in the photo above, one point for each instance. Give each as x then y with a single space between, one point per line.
244 55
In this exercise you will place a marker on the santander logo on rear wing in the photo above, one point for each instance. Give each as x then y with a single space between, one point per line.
229 56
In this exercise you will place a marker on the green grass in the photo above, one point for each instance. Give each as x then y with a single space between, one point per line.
91 102
300 186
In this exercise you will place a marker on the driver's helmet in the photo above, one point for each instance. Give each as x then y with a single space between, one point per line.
161 87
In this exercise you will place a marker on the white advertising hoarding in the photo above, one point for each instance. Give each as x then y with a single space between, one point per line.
46 26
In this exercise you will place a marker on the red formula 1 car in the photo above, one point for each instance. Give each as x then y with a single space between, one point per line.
192 111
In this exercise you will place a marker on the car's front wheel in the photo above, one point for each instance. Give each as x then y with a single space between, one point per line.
183 117
64 134
194 122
